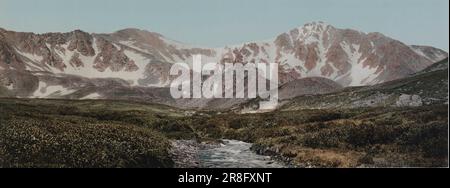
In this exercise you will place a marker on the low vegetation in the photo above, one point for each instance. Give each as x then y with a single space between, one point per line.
62 133
341 138
55 133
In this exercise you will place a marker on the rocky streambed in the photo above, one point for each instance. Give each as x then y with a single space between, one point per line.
225 154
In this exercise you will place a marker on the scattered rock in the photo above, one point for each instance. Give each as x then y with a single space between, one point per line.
409 100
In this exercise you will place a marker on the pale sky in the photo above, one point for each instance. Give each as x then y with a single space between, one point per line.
214 23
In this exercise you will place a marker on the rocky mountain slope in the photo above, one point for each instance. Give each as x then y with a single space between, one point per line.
307 86
429 87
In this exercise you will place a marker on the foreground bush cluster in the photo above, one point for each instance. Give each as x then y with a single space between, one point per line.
64 144
53 136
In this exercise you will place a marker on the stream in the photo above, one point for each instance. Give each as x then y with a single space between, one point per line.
234 154
227 154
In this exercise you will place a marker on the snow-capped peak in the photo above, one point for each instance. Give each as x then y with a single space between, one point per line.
314 26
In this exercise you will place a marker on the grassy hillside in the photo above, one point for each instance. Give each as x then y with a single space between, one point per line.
431 87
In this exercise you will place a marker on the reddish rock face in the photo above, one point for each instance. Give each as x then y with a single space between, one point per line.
75 60
238 57
82 42
254 49
8 56
327 70
337 57
311 57
113 58
283 42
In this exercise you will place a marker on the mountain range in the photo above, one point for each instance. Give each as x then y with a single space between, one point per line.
133 64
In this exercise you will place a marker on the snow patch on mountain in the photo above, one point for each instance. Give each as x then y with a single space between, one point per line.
45 90
32 61
29 56
92 96
140 61
10 86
